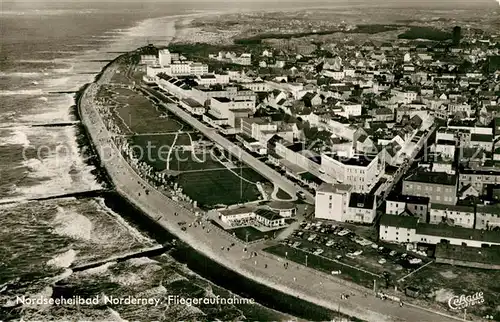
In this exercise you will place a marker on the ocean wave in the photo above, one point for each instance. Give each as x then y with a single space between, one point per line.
72 224
63 260
141 261
136 234
21 74
30 92
17 137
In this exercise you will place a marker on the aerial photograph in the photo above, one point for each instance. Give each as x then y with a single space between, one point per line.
250 160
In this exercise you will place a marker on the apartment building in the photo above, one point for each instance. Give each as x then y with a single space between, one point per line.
452 215
487 217
405 229
258 128
479 179
439 187
399 229
203 94
413 205
332 201
361 172
361 208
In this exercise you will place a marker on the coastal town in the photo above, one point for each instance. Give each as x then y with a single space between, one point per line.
372 162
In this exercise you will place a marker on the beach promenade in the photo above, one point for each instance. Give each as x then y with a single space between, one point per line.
302 282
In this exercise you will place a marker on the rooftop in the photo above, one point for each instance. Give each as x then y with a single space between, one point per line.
236 211
443 230
361 200
268 214
398 221
433 178
439 206
336 188
486 255
409 199
356 161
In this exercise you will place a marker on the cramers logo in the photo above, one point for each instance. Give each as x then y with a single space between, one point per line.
462 301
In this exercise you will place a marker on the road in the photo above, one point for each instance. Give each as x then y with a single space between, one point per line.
299 281
235 150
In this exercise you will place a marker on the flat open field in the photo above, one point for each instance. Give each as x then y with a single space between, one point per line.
180 159
141 116
439 282
215 187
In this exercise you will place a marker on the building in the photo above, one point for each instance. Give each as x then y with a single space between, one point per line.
361 208
192 106
258 128
399 229
412 205
221 107
405 229
285 209
440 187
487 217
269 218
203 94
479 179
452 215
362 172
332 201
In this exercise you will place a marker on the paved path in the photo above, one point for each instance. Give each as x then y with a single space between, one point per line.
299 281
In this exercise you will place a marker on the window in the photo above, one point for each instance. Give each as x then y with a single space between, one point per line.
331 197
330 205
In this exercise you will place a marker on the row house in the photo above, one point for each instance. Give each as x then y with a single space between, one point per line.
408 205
406 229
452 215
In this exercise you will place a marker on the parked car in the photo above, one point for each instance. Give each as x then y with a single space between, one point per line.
357 253
415 261
374 246
382 261
318 251
297 244
343 232
336 272
330 243
312 237
392 253
338 256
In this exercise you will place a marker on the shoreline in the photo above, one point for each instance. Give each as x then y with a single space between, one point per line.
156 207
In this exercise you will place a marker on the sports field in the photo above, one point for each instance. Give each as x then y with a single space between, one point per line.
216 187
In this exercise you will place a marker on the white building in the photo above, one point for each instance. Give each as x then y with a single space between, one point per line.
362 208
332 201
452 215
220 107
487 217
192 106
362 173
399 229
407 229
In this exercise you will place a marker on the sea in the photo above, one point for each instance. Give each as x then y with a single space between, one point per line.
49 50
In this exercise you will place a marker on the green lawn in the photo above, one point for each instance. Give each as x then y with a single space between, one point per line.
253 233
283 194
322 264
210 188
141 116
